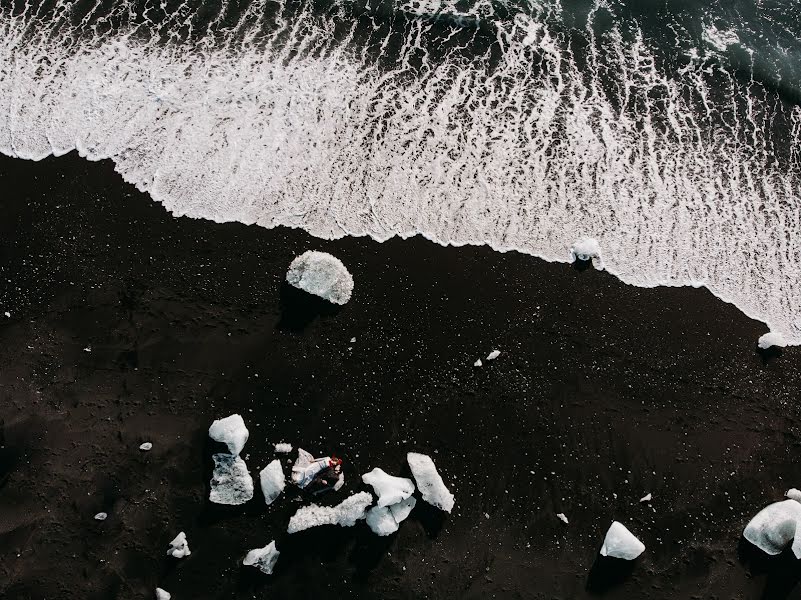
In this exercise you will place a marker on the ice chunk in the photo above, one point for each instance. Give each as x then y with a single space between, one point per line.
283 448
230 483
353 340
621 543
145 446
493 355
586 249
478 363
429 482
321 274
390 489
562 517
101 516
773 338
263 559
162 594
230 431
384 520
646 498
794 494
345 514
272 481
179 547
775 527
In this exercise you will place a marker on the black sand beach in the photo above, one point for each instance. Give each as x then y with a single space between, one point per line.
129 325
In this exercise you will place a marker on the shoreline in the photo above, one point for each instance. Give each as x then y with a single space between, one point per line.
603 392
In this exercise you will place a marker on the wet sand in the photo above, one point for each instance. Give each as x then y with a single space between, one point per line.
130 325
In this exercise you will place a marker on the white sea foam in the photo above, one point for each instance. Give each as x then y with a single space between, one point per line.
287 123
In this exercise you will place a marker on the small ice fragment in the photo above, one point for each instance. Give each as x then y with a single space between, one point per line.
493 355
272 481
586 249
283 448
390 489
344 514
144 447
429 482
775 527
87 349
353 340
562 518
621 543
646 498
179 547
7 314
230 483
478 363
263 559
101 516
321 274
794 494
162 594
772 338
231 431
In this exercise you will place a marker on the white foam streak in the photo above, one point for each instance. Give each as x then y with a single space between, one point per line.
680 184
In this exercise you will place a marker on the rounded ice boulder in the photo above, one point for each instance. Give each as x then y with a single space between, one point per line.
775 527
390 489
621 543
263 559
771 339
230 431
321 274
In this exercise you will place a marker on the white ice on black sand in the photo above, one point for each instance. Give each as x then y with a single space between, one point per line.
272 481
283 448
231 482
429 482
390 489
179 547
621 543
771 339
345 514
230 431
321 274
162 594
775 527
263 559
586 249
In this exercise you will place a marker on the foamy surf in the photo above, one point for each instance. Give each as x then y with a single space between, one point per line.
517 132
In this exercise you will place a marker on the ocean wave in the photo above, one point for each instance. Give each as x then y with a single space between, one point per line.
524 133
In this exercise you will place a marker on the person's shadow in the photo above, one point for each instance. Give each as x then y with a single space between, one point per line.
299 308
782 572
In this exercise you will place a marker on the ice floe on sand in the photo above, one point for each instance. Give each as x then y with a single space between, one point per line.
145 446
390 489
101 516
162 594
263 559
775 527
493 355
345 514
283 448
621 543
385 520
272 481
321 274
231 482
230 431
179 547
770 340
429 482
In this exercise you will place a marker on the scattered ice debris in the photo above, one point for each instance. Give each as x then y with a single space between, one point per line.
478 363
272 481
179 547
231 431
344 514
101 516
230 483
306 468
621 543
144 447
770 339
283 448
775 527
793 494
162 594
390 489
646 498
586 249
321 274
493 355
353 340
562 518
429 482
384 520
263 559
